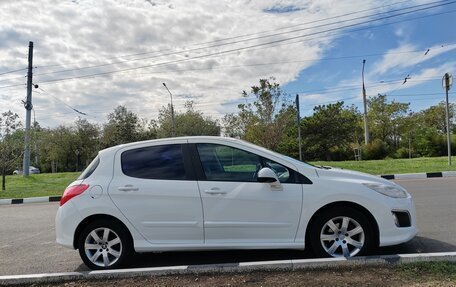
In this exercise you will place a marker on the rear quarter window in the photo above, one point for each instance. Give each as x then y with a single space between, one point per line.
90 169
155 162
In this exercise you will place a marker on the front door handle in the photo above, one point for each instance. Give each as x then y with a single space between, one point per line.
215 190
127 188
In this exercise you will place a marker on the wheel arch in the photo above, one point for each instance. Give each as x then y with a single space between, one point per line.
95 217
350 204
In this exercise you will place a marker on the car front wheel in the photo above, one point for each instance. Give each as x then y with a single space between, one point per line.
341 232
104 245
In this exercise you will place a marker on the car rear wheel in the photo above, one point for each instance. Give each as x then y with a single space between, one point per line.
341 232
104 245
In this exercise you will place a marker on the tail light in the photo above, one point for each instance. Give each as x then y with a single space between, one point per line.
73 191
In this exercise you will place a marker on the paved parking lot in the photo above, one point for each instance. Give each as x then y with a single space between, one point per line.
27 236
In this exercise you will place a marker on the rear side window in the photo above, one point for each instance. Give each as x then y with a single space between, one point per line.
90 169
155 162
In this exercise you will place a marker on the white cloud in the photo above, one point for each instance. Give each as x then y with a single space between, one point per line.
400 58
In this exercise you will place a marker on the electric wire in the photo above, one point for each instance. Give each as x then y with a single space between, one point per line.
200 56
246 35
442 3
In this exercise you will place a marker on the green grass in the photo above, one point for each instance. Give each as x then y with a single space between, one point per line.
48 184
395 166
54 184
442 269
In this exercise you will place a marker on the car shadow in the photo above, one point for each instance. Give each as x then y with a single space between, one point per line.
417 245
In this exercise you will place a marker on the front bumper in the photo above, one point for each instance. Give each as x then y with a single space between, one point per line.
390 233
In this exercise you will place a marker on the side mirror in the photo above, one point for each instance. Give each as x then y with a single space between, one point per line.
267 175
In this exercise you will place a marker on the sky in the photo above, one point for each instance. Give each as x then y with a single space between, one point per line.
91 56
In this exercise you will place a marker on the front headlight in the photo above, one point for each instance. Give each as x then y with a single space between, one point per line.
388 190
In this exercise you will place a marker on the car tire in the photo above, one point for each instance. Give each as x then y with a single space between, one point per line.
341 232
105 244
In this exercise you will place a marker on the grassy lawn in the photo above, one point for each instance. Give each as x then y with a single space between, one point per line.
54 184
395 166
48 184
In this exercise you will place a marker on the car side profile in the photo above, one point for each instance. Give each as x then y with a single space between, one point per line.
213 193
32 170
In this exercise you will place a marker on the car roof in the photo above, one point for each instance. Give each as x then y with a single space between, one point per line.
171 139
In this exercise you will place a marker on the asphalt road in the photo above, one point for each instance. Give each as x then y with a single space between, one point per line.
27 236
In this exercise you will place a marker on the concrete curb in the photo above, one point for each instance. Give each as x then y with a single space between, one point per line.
29 200
282 265
419 175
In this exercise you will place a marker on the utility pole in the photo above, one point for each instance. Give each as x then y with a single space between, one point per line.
366 128
298 119
172 111
28 108
447 82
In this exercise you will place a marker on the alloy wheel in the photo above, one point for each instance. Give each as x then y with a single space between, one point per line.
103 247
342 237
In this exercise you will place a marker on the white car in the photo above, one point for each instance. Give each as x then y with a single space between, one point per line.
32 170
212 193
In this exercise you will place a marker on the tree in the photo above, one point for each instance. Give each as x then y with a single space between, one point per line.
331 129
190 123
57 149
428 130
435 117
88 142
264 121
11 143
386 119
123 126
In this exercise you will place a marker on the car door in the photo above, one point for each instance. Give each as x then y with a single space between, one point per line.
237 208
154 187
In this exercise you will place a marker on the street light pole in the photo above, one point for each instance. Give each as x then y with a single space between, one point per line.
447 81
366 128
172 111
298 120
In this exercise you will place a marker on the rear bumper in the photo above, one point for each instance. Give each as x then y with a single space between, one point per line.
66 222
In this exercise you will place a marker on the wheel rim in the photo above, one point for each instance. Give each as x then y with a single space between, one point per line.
342 237
103 247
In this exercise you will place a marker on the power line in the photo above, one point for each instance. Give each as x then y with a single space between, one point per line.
231 50
442 3
244 48
310 22
267 64
13 71
356 86
246 35
68 106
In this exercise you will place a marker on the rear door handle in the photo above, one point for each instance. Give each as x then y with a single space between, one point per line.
127 188
215 190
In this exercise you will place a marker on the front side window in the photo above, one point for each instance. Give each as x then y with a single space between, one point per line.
284 174
155 162
224 163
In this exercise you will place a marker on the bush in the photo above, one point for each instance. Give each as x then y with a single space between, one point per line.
377 149
402 152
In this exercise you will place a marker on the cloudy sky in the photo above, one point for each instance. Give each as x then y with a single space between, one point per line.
92 56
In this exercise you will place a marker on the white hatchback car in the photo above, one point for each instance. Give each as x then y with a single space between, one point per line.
203 193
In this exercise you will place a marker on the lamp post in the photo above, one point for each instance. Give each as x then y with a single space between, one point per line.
172 112
366 128
447 82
